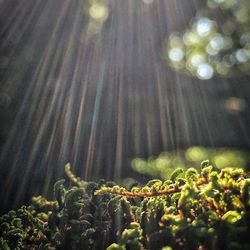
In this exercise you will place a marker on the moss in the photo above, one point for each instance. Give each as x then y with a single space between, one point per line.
206 209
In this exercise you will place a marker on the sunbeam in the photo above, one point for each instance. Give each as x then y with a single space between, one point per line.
87 82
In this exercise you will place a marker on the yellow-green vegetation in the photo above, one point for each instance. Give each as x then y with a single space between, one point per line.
163 165
212 45
205 209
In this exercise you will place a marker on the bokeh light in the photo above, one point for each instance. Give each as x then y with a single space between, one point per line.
98 12
163 165
235 105
205 71
176 54
85 82
209 47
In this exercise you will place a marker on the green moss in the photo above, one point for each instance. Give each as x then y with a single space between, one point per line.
206 209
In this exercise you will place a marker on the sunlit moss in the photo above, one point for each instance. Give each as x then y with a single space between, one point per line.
193 209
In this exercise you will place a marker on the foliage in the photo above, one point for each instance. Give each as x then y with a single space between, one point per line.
206 209
163 165
212 45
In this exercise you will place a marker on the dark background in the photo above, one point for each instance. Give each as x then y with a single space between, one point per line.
100 100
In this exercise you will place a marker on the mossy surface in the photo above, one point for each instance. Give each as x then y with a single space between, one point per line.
206 209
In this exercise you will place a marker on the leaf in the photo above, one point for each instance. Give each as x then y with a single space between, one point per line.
115 246
175 174
231 217
59 192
